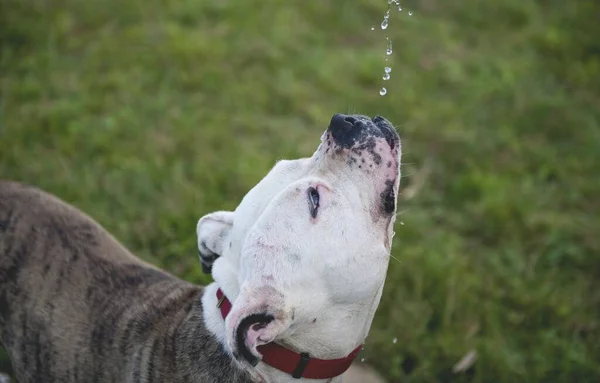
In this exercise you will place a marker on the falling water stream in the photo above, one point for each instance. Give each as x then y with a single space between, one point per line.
387 74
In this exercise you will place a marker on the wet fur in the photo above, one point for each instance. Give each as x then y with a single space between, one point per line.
76 306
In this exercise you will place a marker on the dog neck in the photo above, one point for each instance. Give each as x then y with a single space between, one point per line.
324 344
262 372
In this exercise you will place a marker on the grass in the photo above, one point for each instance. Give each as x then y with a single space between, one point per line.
149 114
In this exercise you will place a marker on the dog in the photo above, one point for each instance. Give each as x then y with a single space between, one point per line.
298 268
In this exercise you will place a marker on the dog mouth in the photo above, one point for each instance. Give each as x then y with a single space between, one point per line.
249 325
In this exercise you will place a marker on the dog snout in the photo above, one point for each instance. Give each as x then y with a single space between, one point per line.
358 130
346 130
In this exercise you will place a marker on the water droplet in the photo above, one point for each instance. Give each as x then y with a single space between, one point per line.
399 8
410 13
362 359
383 91
395 340
386 18
386 76
388 69
401 222
372 28
388 51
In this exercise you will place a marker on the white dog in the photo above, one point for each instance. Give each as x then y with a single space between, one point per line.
299 269
304 256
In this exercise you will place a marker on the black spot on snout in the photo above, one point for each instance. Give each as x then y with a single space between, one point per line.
388 131
388 198
259 320
376 158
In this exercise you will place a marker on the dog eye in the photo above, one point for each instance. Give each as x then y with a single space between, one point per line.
313 201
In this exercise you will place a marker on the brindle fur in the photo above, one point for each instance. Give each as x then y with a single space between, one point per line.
76 306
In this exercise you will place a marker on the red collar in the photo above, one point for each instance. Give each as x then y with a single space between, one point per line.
297 365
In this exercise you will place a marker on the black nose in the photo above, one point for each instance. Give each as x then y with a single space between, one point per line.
345 130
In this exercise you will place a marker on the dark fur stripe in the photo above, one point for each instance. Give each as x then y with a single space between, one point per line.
75 306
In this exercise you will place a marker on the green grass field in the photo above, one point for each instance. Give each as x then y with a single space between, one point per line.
149 114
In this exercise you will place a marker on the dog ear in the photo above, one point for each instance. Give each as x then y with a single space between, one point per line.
213 234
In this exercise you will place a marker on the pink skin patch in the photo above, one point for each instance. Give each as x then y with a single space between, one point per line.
257 335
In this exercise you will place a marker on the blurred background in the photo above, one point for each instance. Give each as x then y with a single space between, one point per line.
149 114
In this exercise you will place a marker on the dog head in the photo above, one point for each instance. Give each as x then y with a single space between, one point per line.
304 256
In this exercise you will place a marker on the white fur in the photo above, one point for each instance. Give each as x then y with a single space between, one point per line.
321 278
